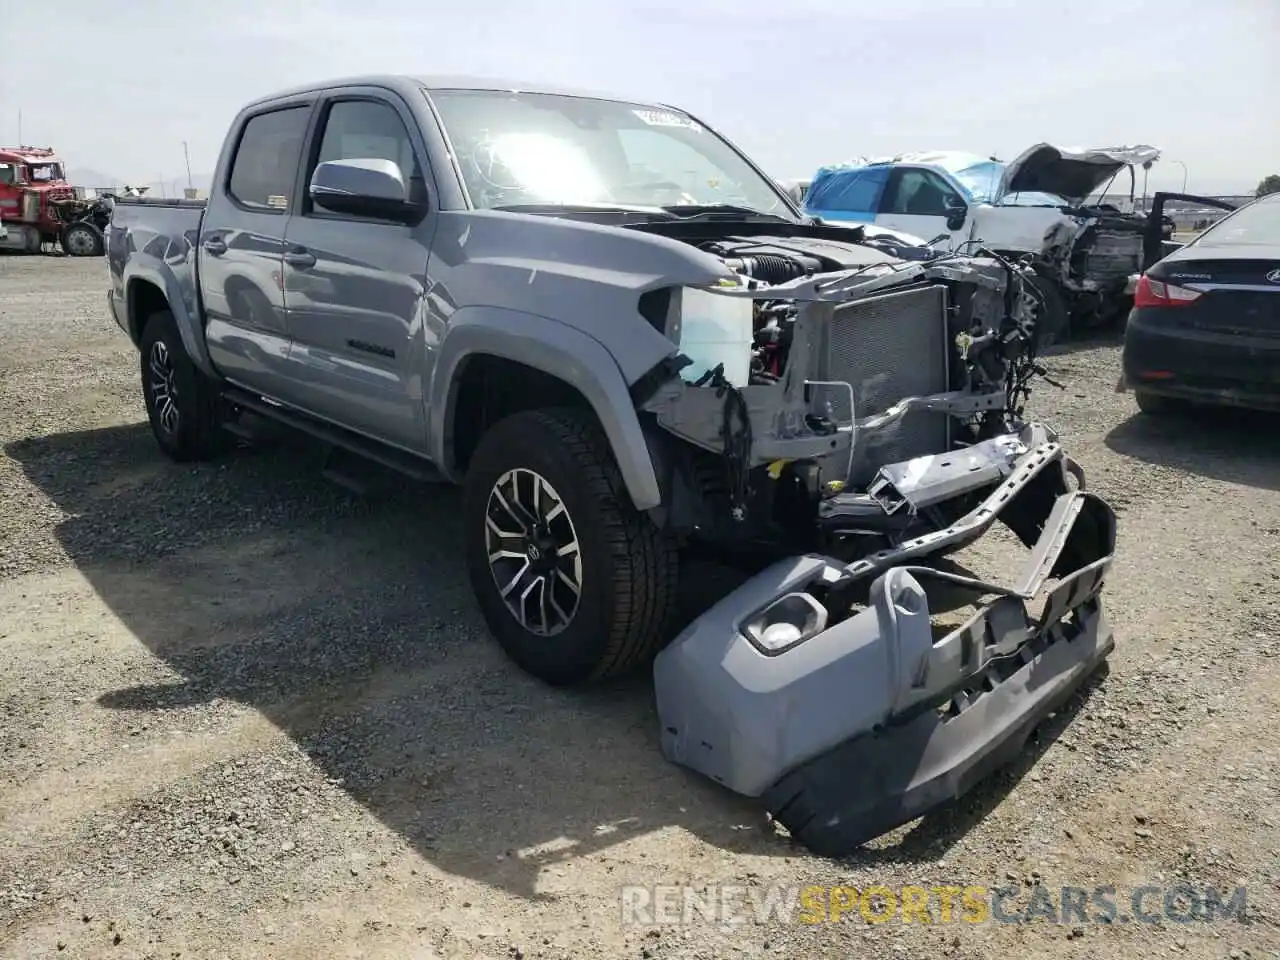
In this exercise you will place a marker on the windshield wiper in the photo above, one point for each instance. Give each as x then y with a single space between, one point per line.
553 208
699 211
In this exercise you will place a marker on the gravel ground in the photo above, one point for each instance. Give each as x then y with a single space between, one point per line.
247 714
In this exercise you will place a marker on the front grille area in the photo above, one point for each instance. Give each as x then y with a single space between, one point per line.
888 348
1113 256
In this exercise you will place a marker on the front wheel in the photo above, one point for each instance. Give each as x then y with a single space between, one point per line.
574 583
82 239
1053 316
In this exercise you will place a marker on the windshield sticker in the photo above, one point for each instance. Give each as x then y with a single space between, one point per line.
664 118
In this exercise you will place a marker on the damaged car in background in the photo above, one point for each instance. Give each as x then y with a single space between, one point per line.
633 351
1035 209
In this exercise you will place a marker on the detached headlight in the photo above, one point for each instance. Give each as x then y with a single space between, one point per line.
787 622
709 327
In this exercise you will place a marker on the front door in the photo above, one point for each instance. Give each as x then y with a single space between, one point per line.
241 245
354 287
921 202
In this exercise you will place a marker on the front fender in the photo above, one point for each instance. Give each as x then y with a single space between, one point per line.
176 279
556 349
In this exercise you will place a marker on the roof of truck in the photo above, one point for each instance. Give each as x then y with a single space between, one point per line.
404 82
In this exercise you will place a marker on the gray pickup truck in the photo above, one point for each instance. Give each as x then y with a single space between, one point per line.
628 346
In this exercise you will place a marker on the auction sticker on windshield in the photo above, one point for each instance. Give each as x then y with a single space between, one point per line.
664 118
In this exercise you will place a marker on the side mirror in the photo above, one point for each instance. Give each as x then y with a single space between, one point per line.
956 214
364 188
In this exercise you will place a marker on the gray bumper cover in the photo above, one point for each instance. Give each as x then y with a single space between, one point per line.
871 722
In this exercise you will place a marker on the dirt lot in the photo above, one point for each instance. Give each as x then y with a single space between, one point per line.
246 714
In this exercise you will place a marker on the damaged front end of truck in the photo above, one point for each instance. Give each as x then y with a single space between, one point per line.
901 649
1089 248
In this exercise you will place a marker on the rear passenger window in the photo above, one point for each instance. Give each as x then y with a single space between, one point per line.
266 161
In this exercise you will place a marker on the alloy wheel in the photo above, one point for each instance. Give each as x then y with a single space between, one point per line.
533 550
164 393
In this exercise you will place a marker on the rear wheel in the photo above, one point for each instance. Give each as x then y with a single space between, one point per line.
1156 405
183 405
82 239
574 583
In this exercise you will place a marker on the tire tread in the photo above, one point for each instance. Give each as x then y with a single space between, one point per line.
644 560
203 437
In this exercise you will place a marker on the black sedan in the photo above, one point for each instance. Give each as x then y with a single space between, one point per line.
1205 324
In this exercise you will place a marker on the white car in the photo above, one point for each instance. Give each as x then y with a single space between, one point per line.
1037 206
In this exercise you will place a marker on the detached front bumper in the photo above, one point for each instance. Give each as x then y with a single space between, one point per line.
864 724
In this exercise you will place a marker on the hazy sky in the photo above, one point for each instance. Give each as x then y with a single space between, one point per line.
796 83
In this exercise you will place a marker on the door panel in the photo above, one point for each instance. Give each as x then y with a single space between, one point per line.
917 201
355 288
242 241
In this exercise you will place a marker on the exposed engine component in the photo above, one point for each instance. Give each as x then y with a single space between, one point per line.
772 261
82 224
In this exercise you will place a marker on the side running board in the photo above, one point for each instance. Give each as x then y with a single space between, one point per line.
402 462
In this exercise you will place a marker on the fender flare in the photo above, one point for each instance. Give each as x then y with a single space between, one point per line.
559 350
180 296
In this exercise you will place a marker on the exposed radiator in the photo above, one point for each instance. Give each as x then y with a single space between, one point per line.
1114 255
887 348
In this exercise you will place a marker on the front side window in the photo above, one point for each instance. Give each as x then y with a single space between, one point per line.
521 148
267 157
920 193
370 130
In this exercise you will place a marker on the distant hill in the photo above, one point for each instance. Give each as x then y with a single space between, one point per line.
87 177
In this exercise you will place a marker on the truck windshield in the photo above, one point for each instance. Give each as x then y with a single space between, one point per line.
45 172
537 148
983 179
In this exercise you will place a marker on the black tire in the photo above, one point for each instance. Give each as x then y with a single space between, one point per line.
1053 320
191 429
1157 406
82 239
628 567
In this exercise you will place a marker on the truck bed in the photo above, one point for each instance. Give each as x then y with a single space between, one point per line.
150 239
159 202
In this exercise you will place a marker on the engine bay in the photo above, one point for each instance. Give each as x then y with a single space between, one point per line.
772 261
860 359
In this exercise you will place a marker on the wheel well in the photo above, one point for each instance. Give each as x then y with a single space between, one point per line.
145 300
491 388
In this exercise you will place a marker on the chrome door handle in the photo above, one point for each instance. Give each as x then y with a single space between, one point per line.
215 246
300 258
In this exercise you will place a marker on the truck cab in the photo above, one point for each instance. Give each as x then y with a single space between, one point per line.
32 182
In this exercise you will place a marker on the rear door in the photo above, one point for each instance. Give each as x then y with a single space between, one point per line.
355 287
242 242
918 201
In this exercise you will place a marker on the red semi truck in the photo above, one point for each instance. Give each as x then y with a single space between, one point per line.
39 206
